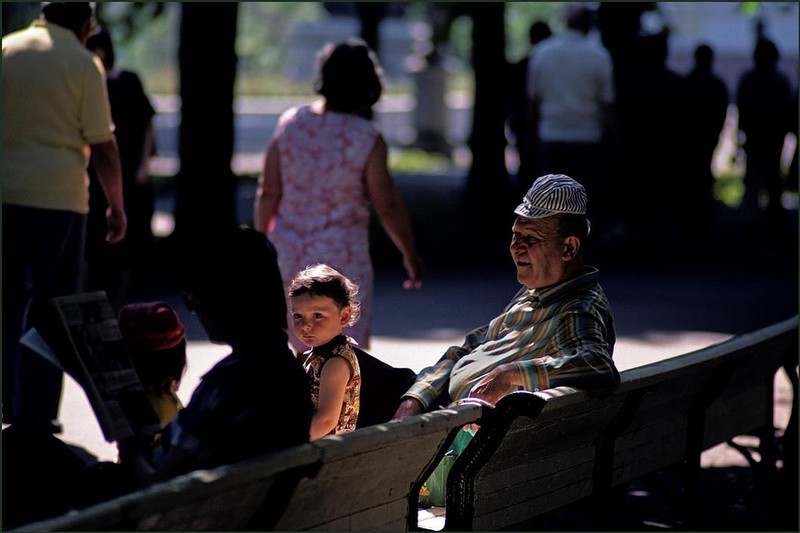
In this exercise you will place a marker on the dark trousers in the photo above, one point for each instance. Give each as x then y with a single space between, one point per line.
42 258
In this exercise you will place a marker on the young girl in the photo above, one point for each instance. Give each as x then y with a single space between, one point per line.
322 302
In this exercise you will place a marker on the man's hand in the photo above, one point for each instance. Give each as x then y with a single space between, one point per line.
502 380
116 225
408 407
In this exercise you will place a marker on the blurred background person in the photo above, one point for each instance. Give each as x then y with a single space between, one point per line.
653 121
113 268
523 131
707 105
325 167
764 99
572 106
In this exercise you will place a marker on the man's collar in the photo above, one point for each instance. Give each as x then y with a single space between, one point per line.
52 27
547 295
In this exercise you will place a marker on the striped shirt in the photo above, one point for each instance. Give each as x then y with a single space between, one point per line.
561 335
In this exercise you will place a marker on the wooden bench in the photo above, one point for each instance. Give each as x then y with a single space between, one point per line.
536 452
358 481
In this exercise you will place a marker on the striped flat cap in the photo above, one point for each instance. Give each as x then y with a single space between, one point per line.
551 195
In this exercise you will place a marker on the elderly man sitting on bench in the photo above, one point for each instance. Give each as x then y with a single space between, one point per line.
557 330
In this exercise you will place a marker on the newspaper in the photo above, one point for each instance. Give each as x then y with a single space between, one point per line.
82 334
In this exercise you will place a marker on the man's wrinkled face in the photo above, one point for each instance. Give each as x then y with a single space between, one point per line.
537 251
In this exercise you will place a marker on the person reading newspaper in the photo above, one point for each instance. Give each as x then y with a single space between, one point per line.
47 476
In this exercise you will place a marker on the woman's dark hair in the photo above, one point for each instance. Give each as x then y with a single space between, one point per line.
349 76
323 280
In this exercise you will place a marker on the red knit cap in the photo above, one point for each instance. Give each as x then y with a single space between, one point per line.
151 326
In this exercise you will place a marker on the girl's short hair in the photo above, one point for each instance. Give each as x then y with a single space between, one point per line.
322 280
349 76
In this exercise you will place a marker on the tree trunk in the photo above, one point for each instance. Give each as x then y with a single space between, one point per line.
370 15
488 185
205 184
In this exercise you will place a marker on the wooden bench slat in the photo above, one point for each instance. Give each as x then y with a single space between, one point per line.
372 471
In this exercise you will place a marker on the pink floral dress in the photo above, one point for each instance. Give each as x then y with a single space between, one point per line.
316 358
324 212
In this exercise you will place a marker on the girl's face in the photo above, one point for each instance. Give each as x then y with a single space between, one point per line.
317 319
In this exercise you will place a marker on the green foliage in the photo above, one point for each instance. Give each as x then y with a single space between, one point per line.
749 9
520 16
263 30
147 41
413 161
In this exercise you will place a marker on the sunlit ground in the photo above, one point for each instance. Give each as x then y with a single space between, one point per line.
80 425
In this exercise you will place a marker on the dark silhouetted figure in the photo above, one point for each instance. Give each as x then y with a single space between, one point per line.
113 268
793 170
652 129
370 15
619 24
764 101
255 400
523 136
571 94
707 105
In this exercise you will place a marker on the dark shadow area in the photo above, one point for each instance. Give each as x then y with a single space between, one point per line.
734 499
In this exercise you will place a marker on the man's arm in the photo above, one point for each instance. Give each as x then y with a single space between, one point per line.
105 158
580 357
433 381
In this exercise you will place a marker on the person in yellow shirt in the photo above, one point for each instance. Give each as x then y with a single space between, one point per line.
55 115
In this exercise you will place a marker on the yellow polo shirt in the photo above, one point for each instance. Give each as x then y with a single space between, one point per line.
55 104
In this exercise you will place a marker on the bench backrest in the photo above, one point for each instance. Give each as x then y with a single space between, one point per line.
366 477
361 480
224 498
536 452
